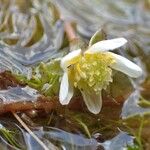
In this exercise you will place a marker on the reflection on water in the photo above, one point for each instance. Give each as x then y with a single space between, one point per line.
30 30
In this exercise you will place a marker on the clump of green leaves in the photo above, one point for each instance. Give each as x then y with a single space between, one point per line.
44 78
9 136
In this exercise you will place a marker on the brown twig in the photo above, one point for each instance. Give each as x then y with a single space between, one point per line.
46 105
70 31
53 147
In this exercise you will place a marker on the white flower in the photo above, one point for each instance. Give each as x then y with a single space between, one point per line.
91 72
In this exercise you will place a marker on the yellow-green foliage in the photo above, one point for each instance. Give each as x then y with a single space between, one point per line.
45 78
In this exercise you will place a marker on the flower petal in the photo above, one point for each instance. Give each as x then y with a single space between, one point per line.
69 96
69 57
107 45
126 66
66 91
92 100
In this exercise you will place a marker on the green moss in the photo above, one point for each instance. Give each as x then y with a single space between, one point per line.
45 78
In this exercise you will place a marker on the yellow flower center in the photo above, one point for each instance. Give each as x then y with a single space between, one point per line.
92 70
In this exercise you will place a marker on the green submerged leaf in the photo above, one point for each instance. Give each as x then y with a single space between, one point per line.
9 136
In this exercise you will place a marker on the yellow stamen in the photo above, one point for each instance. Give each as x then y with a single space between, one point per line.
92 69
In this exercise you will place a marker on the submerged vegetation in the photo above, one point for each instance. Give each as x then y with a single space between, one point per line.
59 92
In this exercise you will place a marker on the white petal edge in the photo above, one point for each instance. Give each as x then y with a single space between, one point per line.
69 96
66 91
106 45
92 100
64 61
126 66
